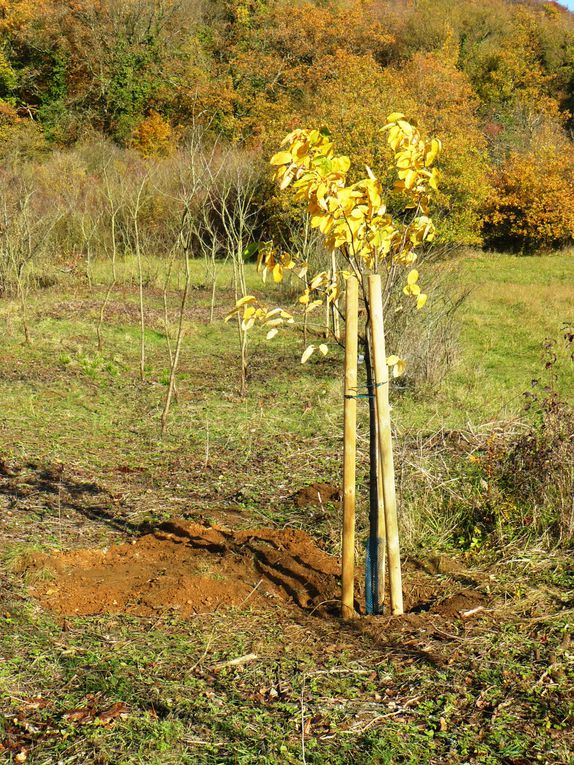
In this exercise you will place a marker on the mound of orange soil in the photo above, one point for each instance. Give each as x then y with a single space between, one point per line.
190 568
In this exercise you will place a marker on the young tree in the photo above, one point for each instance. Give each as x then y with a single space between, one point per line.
237 214
25 234
367 240
195 183
113 193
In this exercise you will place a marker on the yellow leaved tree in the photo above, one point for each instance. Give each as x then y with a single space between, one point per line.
353 219
361 237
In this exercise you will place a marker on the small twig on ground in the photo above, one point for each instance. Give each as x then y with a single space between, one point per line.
251 593
204 654
472 612
201 742
322 603
566 613
394 713
378 718
238 662
341 671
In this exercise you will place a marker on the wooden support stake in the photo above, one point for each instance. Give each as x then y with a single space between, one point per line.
385 442
350 446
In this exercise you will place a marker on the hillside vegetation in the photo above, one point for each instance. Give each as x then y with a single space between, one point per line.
494 79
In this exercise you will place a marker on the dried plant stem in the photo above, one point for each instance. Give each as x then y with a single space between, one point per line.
177 351
186 246
137 243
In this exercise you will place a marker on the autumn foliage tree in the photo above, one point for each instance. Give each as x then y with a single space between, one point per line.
153 136
364 240
445 104
531 208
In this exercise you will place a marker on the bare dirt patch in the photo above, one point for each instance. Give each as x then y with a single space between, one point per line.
125 312
189 568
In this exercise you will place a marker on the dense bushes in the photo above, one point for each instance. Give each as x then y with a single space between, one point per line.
535 471
96 201
536 474
508 482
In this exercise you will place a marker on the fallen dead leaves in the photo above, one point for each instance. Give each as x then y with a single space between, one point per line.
26 729
87 715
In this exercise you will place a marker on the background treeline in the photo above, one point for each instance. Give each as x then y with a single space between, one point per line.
91 89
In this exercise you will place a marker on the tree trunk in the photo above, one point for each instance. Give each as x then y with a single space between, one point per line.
371 573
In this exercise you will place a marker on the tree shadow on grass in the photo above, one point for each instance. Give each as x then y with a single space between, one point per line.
23 485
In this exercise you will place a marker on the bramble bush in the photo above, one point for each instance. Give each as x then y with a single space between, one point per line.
514 482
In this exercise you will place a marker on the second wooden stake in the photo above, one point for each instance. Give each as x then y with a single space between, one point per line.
381 379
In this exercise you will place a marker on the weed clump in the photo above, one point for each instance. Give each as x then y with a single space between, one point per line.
537 472
507 482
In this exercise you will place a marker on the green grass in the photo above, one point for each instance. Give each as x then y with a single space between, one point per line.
490 691
514 305
64 400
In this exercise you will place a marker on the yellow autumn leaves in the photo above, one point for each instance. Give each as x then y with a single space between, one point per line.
310 350
413 158
353 219
412 288
253 311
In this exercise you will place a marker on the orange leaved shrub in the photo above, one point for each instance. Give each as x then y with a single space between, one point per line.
532 204
154 136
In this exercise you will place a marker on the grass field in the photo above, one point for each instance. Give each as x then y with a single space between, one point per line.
513 305
82 465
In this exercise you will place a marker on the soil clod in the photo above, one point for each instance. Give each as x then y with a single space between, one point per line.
316 494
